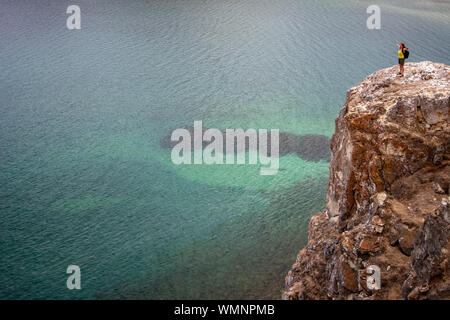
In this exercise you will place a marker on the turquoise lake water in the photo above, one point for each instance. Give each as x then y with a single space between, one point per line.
85 180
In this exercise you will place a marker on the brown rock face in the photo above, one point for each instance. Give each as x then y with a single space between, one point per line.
388 201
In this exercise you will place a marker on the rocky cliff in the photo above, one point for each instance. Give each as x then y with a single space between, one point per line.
388 201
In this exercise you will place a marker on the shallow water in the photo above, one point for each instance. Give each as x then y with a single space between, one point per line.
86 181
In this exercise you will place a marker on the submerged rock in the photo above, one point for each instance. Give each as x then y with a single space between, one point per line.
387 199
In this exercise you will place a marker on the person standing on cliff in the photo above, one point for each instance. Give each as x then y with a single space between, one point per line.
401 58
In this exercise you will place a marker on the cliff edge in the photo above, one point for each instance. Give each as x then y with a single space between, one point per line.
388 201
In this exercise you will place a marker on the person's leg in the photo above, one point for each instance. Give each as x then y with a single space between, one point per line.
401 62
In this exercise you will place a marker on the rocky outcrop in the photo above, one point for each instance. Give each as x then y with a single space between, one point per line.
388 201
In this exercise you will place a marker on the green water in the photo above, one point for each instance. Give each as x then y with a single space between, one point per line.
85 181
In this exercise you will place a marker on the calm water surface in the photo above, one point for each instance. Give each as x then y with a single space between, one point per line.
84 179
